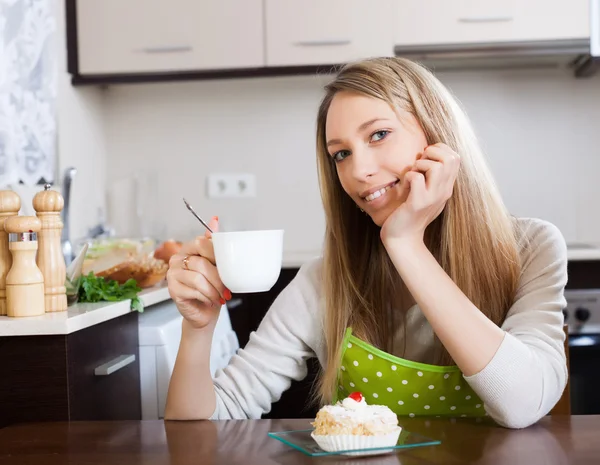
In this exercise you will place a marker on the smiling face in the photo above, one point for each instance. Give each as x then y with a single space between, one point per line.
373 147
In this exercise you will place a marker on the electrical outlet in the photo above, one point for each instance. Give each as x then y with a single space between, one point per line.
231 185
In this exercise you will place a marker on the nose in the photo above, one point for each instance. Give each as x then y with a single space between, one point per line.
364 165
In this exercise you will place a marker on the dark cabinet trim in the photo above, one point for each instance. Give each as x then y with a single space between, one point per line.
105 79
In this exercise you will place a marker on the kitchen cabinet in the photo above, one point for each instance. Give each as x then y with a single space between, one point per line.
91 374
316 32
156 36
439 22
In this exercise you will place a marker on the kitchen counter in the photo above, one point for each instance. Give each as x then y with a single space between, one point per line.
83 315
577 252
297 259
78 316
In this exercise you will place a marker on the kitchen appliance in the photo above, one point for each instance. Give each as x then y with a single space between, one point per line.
159 331
580 54
582 315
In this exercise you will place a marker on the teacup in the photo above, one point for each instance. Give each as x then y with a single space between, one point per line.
249 261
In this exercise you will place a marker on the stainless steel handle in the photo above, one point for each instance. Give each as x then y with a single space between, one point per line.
168 49
114 365
234 303
322 43
486 19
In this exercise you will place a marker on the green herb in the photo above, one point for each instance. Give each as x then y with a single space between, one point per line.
96 289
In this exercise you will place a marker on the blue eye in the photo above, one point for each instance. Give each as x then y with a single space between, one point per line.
339 156
379 135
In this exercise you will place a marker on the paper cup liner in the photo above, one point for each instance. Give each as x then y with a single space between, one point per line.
350 442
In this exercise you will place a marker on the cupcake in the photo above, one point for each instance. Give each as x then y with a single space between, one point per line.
352 424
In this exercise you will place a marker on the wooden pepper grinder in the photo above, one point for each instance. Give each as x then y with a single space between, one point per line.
48 204
24 281
10 204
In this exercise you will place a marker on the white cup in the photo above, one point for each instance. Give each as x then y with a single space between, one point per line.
249 261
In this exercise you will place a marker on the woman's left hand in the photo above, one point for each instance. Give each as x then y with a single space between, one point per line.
430 183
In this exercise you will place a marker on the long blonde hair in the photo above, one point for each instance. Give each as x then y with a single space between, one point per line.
473 239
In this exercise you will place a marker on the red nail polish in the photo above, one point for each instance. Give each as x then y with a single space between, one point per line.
227 294
222 302
216 218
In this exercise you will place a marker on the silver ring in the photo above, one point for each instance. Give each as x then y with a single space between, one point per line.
185 262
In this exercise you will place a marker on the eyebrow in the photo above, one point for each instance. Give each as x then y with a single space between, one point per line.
362 127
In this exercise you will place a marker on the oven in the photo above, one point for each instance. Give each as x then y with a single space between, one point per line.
583 317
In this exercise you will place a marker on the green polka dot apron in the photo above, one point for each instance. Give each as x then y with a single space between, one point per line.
408 388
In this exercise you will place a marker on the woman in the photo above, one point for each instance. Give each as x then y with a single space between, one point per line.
429 298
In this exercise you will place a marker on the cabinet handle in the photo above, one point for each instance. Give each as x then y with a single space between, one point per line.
486 19
234 303
322 43
114 365
168 49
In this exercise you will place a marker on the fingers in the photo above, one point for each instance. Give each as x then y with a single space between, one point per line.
196 286
214 225
179 292
441 153
202 266
417 188
440 165
428 167
201 246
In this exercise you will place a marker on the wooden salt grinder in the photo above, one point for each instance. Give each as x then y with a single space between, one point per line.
10 204
48 204
24 281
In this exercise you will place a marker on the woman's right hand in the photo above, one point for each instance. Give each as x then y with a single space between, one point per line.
194 283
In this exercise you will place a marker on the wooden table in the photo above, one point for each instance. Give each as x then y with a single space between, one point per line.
567 440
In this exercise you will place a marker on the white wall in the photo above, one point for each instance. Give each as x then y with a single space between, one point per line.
81 140
539 128
185 131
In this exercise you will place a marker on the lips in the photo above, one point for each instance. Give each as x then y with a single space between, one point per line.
377 192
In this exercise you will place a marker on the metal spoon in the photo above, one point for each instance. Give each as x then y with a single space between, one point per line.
189 207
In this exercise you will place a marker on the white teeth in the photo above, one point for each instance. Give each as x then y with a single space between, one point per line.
378 193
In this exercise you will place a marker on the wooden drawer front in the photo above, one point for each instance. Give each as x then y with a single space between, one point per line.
33 381
113 396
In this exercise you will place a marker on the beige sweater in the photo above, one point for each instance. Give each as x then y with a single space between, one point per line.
521 383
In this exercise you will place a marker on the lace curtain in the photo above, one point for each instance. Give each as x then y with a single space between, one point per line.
27 92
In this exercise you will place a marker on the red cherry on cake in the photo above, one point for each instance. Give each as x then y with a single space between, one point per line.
357 396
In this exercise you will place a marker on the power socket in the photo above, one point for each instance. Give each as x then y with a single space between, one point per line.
231 185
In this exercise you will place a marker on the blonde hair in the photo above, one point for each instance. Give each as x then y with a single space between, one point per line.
473 239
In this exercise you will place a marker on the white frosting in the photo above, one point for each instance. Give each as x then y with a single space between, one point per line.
361 412
351 404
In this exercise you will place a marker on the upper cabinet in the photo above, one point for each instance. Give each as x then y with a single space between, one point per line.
315 32
146 36
428 22
142 40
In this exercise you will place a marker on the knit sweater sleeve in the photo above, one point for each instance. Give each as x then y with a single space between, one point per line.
276 353
528 373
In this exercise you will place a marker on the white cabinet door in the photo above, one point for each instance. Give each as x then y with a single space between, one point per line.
137 36
421 22
313 32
